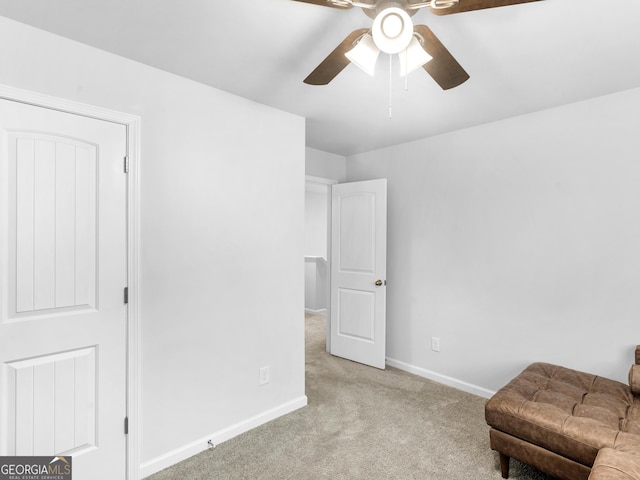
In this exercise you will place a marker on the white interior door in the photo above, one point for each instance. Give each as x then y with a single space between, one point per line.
63 252
358 271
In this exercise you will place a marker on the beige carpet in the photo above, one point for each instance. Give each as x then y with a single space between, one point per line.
361 423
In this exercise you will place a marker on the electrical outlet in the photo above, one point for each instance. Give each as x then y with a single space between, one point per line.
264 375
435 344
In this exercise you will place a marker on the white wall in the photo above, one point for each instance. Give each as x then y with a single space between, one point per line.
325 164
315 233
514 242
222 224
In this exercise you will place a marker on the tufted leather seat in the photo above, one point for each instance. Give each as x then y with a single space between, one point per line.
612 464
558 419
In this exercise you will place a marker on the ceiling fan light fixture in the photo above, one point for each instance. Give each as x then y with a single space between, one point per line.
392 30
413 57
365 54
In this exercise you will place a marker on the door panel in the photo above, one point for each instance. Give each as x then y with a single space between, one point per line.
356 314
63 320
53 211
53 402
357 232
358 261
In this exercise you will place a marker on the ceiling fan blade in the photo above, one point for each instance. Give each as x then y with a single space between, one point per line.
335 62
444 69
469 5
326 3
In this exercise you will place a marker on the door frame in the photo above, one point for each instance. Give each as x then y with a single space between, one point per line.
132 124
327 183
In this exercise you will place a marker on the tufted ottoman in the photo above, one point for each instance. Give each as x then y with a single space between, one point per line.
557 420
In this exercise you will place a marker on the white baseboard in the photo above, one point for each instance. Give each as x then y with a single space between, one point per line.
193 448
436 377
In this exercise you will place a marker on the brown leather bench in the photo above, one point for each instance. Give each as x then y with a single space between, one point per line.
564 422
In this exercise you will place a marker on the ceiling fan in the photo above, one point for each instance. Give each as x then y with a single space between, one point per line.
393 32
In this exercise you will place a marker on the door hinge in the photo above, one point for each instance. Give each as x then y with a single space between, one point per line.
126 425
126 295
126 164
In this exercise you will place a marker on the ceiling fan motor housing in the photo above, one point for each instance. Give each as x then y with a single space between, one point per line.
392 29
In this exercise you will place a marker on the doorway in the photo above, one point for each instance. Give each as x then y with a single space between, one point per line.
345 232
317 240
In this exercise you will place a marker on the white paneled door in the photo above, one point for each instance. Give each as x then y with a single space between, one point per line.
63 320
358 271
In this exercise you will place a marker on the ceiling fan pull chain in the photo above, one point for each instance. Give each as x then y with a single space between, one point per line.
390 86
406 69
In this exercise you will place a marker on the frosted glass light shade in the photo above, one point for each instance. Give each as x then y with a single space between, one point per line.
392 30
413 57
365 54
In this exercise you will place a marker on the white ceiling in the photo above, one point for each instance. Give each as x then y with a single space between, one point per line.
521 58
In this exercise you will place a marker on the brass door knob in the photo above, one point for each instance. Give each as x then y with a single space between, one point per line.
378 283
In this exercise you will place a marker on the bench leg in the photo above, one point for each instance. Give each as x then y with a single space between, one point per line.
504 465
